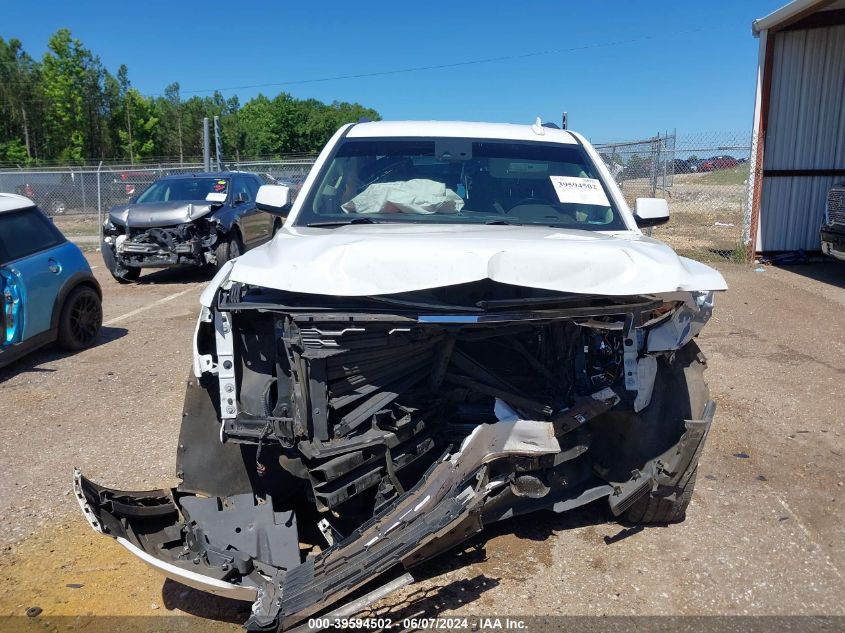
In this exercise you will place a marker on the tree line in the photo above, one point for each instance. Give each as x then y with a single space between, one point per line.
69 108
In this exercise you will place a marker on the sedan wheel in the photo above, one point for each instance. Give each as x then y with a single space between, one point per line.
228 249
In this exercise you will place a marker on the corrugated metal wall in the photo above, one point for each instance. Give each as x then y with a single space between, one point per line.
806 130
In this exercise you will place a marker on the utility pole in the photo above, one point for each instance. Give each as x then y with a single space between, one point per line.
179 128
206 149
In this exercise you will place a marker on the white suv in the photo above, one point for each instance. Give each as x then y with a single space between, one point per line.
458 323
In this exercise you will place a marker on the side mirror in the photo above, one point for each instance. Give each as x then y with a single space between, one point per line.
651 212
275 199
239 199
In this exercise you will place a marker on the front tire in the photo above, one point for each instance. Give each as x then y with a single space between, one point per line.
665 505
81 319
127 276
680 393
228 249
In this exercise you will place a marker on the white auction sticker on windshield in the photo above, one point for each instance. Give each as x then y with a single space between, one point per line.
579 190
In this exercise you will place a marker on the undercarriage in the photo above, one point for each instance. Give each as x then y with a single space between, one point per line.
329 442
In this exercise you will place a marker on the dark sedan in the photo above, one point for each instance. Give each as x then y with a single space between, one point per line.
201 219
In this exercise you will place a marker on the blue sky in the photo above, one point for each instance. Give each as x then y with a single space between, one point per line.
623 69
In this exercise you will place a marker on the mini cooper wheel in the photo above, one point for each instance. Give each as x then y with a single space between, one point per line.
81 319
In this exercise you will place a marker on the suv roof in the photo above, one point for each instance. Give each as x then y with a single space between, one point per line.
13 202
461 129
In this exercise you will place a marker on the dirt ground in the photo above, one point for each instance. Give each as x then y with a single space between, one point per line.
763 535
706 213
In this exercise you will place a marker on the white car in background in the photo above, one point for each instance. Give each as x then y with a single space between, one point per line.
457 324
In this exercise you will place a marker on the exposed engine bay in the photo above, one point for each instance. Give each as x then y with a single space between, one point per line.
330 441
184 244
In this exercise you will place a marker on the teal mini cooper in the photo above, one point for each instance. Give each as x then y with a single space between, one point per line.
47 289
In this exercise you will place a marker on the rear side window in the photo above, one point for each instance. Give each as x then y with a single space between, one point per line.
26 232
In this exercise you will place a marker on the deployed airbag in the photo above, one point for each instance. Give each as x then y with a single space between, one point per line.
411 196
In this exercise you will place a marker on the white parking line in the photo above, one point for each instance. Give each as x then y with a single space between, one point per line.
816 545
154 304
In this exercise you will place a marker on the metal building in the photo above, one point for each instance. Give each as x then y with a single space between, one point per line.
799 123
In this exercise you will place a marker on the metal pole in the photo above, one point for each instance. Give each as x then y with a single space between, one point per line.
655 148
206 146
99 205
82 188
218 143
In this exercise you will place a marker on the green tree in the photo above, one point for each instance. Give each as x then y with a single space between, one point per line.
19 79
63 87
138 139
258 126
70 108
169 131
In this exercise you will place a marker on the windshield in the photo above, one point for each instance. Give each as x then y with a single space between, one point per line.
184 189
464 181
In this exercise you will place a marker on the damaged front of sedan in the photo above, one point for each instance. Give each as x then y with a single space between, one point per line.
186 220
458 324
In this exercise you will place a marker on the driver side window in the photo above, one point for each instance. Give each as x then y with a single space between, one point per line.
242 189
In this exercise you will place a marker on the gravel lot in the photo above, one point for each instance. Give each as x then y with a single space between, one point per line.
764 533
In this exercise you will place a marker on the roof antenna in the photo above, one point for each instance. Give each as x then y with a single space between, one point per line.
537 128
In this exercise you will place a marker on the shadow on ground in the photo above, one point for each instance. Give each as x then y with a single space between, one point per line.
176 275
31 363
828 271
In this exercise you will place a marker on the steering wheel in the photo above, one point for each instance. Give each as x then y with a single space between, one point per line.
532 200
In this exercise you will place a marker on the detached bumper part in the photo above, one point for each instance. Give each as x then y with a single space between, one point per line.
447 506
113 513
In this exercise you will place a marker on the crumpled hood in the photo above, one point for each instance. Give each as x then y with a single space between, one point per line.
159 213
359 260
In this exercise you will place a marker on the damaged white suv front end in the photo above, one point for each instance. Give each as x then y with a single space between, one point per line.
459 323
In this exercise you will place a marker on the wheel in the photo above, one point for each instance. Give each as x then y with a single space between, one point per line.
129 275
228 249
665 505
81 319
680 393
56 206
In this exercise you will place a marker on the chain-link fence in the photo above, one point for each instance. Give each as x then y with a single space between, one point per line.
63 191
78 197
705 179
703 176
